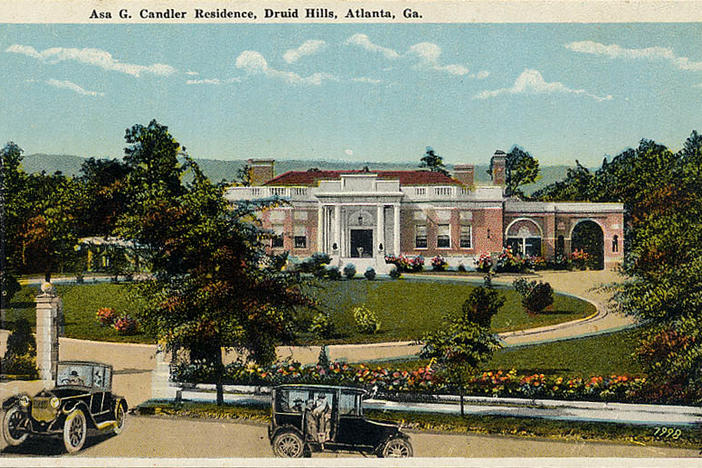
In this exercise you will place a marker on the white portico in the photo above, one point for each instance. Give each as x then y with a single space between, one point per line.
359 217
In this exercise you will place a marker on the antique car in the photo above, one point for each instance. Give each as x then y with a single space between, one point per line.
81 400
311 418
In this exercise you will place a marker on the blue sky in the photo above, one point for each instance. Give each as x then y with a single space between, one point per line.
356 92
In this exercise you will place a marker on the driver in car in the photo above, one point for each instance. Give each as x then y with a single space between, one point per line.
74 379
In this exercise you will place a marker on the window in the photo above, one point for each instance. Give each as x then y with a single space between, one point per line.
277 239
615 243
443 238
349 404
300 238
466 237
420 236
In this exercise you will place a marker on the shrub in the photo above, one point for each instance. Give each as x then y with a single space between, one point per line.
323 359
125 325
333 273
20 364
106 316
21 341
509 262
461 267
370 273
322 325
395 273
366 320
484 263
406 264
438 263
482 305
560 262
580 259
536 296
350 270
314 264
537 263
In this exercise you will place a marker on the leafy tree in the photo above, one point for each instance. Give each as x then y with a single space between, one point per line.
105 183
214 285
520 168
433 161
465 341
243 175
576 186
12 208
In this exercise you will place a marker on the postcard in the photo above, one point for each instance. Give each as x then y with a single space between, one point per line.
243 233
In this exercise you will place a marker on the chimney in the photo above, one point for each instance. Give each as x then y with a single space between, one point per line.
261 170
464 173
498 163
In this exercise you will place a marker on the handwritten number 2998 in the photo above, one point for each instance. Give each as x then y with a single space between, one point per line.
662 432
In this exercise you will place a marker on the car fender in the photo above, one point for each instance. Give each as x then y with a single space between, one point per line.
80 405
10 402
395 435
285 428
118 400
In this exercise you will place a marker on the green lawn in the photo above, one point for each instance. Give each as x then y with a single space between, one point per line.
582 357
407 309
80 304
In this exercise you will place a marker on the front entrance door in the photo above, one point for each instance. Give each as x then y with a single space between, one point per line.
361 243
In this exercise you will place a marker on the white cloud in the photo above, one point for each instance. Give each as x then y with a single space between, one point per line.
212 81
365 79
97 57
191 73
481 75
348 152
73 87
362 40
254 63
310 47
616 51
532 82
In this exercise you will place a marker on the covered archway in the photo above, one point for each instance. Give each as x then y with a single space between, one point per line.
588 236
524 236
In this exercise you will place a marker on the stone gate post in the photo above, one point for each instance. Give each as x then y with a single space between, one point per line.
49 319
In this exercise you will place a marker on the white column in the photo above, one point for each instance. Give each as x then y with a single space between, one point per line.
48 307
320 228
396 229
381 231
337 227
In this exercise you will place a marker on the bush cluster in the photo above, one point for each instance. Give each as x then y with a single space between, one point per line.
370 273
438 263
123 324
322 325
350 270
20 357
406 264
366 320
536 296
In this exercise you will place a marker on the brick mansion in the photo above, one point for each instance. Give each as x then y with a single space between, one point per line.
360 216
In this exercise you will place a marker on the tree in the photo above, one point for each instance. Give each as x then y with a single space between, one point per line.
12 208
520 168
433 161
576 186
465 341
214 285
104 182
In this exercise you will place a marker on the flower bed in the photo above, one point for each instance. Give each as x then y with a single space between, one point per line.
406 264
423 380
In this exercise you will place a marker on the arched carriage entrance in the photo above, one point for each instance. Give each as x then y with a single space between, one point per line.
524 237
588 236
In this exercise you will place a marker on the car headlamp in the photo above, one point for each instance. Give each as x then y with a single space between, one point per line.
54 402
24 400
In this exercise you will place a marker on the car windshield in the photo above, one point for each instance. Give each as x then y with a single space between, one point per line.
75 374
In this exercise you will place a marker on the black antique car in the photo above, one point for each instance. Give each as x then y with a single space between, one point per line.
309 418
81 400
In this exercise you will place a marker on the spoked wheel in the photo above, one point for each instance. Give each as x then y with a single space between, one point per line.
74 431
120 419
13 426
396 448
288 444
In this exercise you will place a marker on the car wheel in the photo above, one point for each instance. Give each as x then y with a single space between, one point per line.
13 426
288 444
396 448
120 419
74 431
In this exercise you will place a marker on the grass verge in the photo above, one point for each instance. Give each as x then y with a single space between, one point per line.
690 438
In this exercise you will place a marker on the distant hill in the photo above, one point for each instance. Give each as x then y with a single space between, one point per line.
218 170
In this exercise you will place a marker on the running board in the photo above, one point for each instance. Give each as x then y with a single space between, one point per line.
106 425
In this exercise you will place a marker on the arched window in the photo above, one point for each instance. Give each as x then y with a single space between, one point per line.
524 237
615 243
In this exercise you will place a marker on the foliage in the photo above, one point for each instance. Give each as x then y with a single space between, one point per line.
13 205
350 270
214 284
588 237
482 305
406 264
366 320
395 273
369 273
520 168
106 316
315 264
333 273
21 339
536 296
125 325
433 161
322 325
323 359
439 263
104 182
580 259
483 263
509 262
